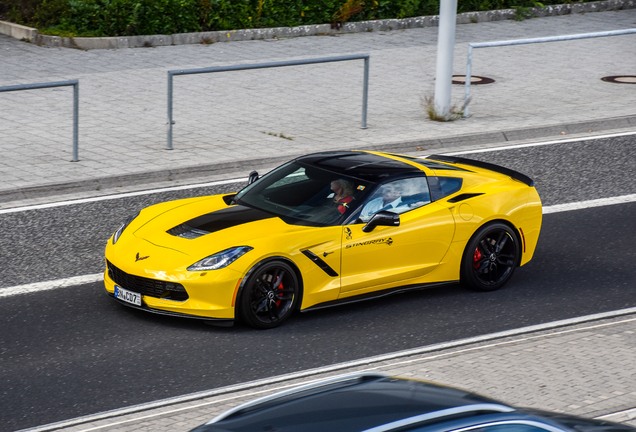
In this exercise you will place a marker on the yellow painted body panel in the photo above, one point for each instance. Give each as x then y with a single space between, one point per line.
427 247
415 250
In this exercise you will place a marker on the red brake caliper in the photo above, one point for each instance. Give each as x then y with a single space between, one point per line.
280 294
476 258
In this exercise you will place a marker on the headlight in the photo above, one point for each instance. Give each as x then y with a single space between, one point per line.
220 259
122 228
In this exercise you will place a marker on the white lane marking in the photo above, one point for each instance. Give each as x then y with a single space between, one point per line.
49 285
79 280
601 202
221 182
543 143
386 358
120 195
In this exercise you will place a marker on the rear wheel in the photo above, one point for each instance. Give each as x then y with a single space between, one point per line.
490 258
270 295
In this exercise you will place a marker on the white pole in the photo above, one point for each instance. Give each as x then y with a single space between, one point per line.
445 49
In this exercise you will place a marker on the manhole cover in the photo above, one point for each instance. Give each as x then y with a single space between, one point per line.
621 79
461 79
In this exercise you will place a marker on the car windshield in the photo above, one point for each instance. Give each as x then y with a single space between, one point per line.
306 195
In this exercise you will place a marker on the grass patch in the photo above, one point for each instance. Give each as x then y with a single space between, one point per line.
280 135
456 110
55 31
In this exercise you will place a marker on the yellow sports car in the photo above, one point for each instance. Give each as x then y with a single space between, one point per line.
326 229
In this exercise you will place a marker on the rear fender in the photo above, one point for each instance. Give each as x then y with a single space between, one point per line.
470 215
520 209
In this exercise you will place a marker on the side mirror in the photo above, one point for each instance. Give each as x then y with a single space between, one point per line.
252 178
382 218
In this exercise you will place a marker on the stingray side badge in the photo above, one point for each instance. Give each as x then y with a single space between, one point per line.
348 233
138 258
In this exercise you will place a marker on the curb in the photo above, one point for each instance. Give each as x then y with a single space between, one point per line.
32 35
196 172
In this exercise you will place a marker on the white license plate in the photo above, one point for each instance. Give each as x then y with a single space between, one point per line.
128 296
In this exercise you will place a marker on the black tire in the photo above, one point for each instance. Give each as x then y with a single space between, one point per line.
490 257
269 295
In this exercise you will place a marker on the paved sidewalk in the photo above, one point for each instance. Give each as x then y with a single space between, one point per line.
585 369
230 123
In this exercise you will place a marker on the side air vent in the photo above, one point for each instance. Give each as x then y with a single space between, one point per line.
463 197
319 262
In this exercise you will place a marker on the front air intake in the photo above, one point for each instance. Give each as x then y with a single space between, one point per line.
146 286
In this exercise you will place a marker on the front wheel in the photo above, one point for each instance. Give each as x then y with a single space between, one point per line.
269 296
490 258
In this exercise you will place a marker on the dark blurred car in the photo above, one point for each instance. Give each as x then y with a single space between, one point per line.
373 402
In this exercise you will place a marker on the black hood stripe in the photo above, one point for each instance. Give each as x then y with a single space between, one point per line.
218 220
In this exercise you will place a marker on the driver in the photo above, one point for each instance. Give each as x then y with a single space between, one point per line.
343 194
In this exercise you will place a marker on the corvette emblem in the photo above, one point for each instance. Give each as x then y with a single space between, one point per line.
348 233
138 258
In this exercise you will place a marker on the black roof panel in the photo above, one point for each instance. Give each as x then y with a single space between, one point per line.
365 166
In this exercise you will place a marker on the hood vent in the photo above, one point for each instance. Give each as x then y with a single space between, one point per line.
186 231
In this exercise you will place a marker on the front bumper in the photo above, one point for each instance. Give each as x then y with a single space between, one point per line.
208 295
220 322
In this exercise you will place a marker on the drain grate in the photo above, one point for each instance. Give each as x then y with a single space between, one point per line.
474 80
620 79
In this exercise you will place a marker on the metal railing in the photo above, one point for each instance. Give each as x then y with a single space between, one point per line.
75 84
365 89
469 63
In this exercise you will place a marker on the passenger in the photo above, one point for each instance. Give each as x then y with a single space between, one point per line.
343 194
389 198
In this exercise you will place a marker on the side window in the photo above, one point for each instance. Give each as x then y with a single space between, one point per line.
444 186
398 196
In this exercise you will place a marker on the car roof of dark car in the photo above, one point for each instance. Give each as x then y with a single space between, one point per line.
365 166
352 403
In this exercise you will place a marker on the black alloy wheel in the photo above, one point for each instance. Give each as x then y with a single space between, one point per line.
270 295
490 258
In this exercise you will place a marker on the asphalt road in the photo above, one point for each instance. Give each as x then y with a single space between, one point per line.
73 351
